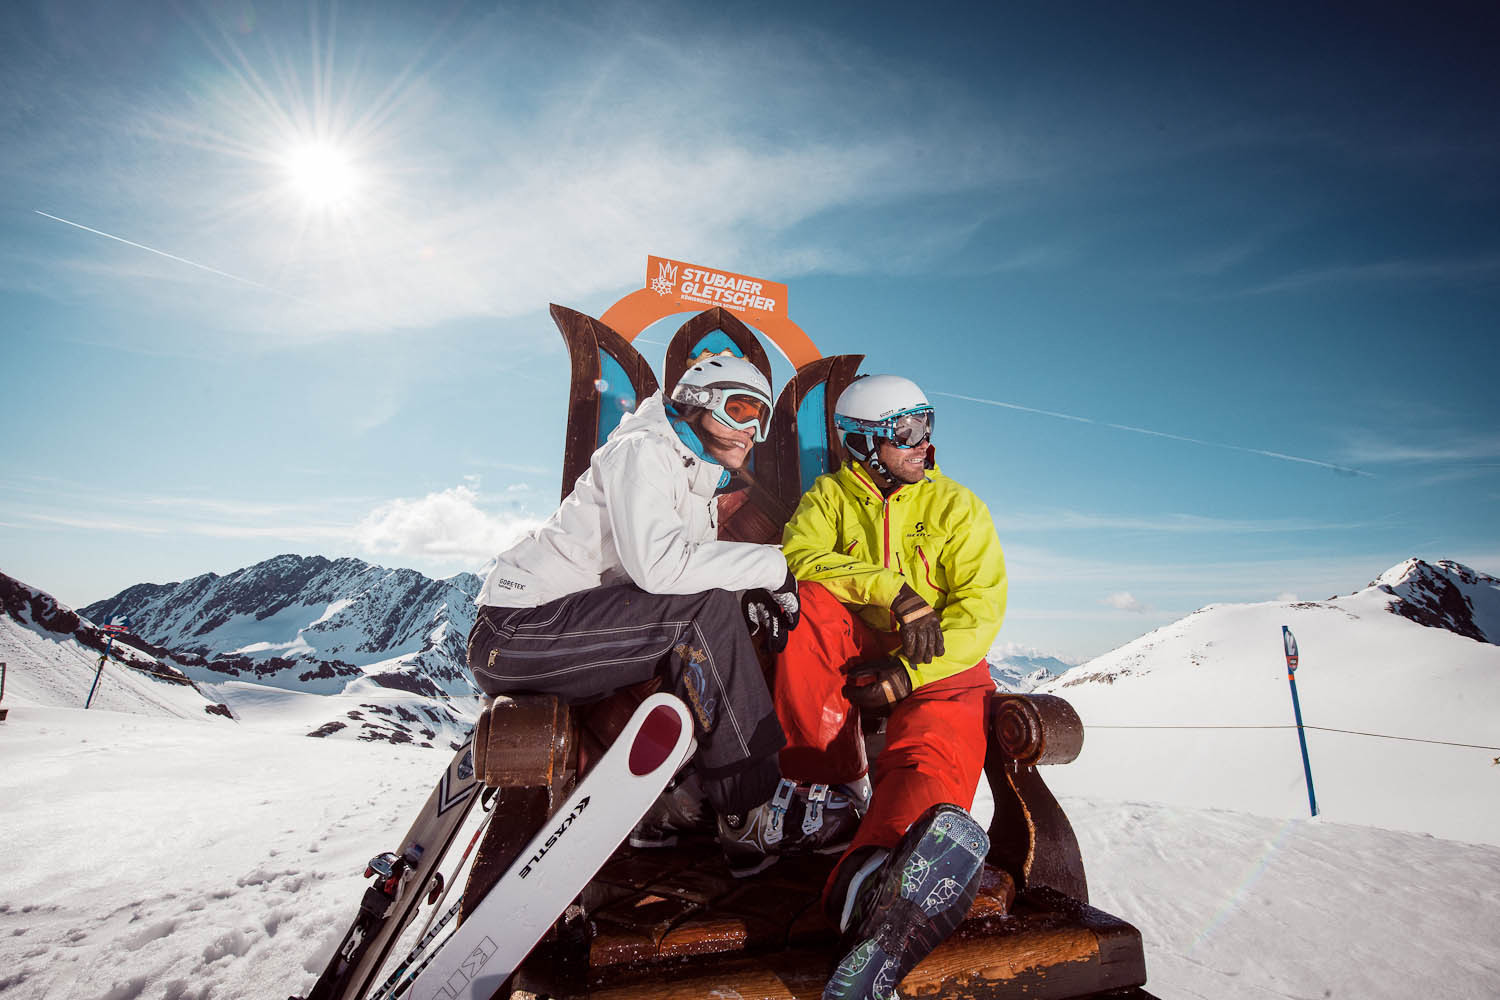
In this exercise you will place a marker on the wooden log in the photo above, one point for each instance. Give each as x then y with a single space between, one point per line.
524 741
1035 728
1030 835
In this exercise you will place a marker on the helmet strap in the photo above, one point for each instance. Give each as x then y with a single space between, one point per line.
866 451
883 477
870 459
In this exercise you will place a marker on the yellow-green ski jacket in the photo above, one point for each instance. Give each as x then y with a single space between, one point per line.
934 534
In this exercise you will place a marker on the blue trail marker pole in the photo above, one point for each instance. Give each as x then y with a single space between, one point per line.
116 626
1290 642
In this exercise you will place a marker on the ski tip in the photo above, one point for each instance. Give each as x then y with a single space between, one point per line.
655 740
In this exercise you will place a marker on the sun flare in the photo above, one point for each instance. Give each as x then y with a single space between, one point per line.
324 175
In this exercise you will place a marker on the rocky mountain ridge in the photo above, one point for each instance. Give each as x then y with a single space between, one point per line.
1021 670
1446 595
311 624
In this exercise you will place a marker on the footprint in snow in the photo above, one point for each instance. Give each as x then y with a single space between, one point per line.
155 932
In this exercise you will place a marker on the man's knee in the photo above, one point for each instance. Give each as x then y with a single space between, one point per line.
817 602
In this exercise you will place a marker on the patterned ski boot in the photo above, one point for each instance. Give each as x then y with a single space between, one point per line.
896 909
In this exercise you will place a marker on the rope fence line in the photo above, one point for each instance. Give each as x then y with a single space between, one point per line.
1324 729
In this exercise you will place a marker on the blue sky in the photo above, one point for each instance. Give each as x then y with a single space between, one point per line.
1206 294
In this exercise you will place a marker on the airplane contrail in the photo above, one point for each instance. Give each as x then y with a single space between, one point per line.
163 253
1342 469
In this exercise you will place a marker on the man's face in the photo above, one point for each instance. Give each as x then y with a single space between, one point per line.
907 465
724 444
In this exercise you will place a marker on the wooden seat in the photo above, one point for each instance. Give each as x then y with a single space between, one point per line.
673 922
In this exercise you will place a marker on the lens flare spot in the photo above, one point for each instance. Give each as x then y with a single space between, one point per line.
322 173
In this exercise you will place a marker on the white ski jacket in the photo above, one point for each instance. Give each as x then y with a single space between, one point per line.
644 512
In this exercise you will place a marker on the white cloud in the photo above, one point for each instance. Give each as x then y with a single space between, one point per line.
1286 597
1454 447
448 528
1074 520
1002 650
1123 600
470 204
92 523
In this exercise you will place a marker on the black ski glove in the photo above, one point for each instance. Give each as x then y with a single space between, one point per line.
875 687
786 599
776 612
763 615
921 626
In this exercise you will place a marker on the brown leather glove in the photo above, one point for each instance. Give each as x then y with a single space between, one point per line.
875 687
921 626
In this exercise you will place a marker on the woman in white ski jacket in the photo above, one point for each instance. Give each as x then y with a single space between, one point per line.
627 580
645 513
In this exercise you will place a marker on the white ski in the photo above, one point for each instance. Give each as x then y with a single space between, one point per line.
559 861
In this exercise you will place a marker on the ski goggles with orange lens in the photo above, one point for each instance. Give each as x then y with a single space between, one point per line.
743 411
734 407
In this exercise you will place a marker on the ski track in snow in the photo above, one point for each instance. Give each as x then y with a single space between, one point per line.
159 858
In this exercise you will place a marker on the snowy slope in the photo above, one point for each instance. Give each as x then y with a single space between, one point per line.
158 866
52 657
1194 835
1364 668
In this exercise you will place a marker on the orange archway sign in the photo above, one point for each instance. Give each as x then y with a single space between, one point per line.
674 286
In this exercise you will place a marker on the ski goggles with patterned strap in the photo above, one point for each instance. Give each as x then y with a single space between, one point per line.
904 430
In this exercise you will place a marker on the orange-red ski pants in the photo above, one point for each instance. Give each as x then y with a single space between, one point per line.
935 741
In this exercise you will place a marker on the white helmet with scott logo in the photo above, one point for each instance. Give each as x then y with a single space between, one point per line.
877 408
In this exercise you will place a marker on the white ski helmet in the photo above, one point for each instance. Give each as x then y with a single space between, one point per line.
877 408
730 388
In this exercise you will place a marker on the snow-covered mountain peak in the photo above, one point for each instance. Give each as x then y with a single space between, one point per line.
1444 594
309 625
1020 668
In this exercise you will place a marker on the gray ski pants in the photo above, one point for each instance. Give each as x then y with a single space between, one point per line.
595 642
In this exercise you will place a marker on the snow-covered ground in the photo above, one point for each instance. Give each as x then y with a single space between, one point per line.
155 857
1212 680
155 850
173 858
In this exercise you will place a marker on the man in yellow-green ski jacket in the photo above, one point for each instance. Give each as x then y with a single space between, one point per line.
902 586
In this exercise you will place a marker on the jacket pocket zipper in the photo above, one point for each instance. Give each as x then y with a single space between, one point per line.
927 569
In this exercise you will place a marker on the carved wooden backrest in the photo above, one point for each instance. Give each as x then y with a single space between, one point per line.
610 378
